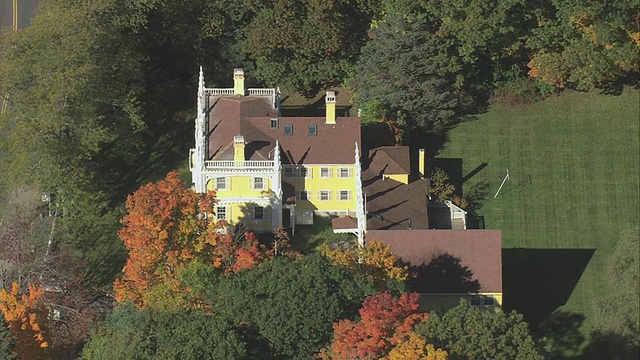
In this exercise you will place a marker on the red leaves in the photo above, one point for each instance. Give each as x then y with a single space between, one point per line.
384 323
167 226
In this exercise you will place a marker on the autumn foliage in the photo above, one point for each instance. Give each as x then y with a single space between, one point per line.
166 227
384 331
375 260
23 312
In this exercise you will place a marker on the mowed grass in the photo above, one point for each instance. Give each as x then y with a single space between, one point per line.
573 162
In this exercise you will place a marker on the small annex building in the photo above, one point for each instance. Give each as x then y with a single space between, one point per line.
447 265
270 170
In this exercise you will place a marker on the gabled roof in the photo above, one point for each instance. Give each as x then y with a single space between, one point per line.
448 261
390 160
251 117
390 204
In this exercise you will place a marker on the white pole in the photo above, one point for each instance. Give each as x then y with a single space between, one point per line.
503 181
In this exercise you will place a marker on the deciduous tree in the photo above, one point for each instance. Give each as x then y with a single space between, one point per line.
585 44
375 261
166 227
385 323
130 333
471 333
306 44
291 302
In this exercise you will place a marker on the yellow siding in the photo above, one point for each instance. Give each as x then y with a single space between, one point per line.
430 302
333 183
236 213
241 186
403 178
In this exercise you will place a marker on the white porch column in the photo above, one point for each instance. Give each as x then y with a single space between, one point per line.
360 212
276 186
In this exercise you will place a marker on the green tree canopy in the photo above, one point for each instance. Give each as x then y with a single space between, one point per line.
142 334
470 333
584 44
6 341
404 74
292 303
306 44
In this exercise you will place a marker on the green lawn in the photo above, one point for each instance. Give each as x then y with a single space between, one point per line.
573 162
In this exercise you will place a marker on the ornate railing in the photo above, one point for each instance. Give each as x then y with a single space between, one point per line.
219 92
261 92
238 165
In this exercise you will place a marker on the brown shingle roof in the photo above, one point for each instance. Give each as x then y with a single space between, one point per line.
344 223
393 203
251 117
448 261
390 160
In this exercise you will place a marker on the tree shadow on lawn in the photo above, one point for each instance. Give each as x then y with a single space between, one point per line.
566 340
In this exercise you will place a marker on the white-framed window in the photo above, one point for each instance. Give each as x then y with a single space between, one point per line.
221 183
221 213
258 183
313 130
324 195
288 129
304 195
297 172
482 300
258 213
344 195
345 172
325 172
273 123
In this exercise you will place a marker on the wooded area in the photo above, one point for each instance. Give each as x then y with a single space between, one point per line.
98 100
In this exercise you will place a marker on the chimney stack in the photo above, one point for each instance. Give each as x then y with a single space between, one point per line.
238 148
421 163
330 100
238 82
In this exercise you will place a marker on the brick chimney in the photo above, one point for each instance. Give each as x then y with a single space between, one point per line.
330 100
238 148
238 82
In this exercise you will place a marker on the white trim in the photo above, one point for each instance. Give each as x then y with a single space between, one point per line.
329 174
254 183
349 172
225 212
339 195
320 195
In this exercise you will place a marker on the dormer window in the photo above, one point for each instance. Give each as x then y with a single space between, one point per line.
313 130
273 123
288 129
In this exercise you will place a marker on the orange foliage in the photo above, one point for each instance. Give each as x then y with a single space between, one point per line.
21 311
167 226
375 260
385 323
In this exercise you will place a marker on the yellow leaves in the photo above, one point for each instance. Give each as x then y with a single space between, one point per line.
375 260
415 348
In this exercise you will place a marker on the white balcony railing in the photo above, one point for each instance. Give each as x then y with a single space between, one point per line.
261 92
219 92
238 165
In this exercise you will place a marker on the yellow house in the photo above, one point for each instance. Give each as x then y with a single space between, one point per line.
269 170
